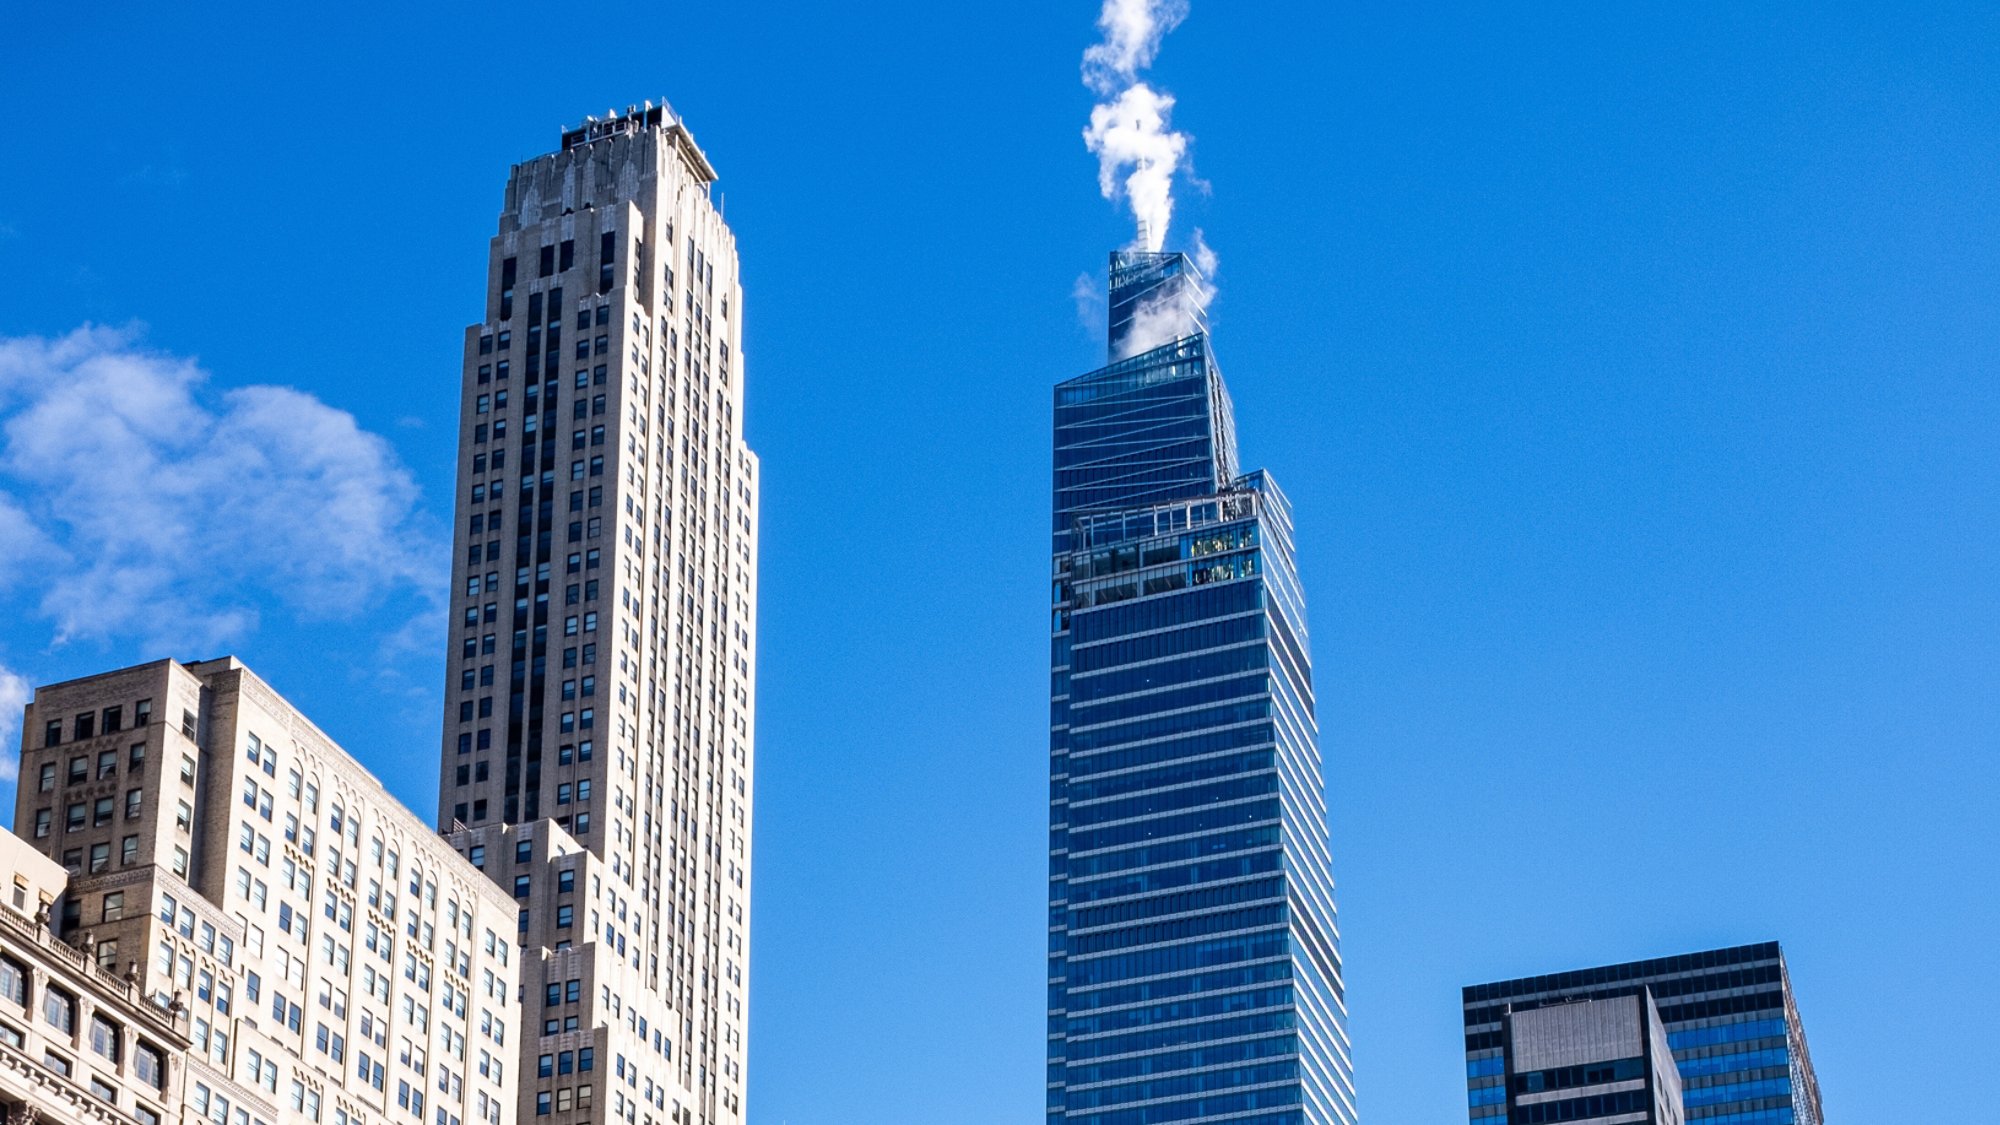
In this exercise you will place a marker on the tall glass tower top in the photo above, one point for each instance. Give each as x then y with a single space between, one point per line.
1194 963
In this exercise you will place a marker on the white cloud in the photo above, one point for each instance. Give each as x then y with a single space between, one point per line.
182 512
13 697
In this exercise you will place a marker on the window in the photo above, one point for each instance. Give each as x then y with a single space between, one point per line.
104 1038
114 906
136 760
73 817
42 823
149 1065
128 851
520 886
133 798
52 733
48 781
114 719
142 712
565 916
101 810
100 857
86 726
107 764
59 1009
79 769
524 851
14 981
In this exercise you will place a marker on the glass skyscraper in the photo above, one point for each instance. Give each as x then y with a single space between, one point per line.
1194 964
1730 1020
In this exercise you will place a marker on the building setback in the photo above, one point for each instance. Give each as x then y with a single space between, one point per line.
599 705
1194 965
324 954
1731 1023
1592 1062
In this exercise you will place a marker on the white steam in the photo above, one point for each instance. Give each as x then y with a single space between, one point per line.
1132 33
1130 128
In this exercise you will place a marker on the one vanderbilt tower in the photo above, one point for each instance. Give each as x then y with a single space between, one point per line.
599 716
1194 951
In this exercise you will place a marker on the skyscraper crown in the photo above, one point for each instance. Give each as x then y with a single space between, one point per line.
1156 298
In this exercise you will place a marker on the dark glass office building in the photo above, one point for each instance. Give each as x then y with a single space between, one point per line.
1730 1021
1194 964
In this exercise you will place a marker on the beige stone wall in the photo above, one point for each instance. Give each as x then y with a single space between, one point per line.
666 607
313 920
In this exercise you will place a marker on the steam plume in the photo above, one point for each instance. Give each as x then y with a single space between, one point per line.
1129 128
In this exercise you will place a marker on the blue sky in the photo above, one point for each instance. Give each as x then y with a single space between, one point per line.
1631 370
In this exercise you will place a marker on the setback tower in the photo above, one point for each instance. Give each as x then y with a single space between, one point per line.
599 705
1194 963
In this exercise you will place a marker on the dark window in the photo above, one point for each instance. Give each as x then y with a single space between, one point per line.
14 981
59 1009
548 262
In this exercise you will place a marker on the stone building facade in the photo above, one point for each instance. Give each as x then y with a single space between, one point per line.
600 691
324 954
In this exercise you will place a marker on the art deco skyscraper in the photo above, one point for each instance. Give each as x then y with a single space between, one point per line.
1194 964
599 728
